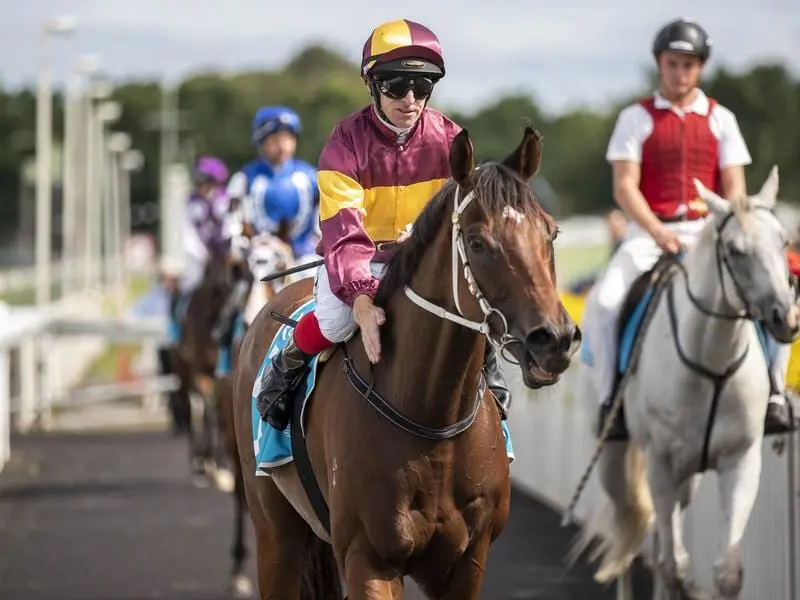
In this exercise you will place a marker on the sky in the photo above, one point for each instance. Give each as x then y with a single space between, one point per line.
566 53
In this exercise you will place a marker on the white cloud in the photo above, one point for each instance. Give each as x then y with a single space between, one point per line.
570 52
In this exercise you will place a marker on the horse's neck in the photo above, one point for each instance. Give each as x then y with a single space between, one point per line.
435 365
712 341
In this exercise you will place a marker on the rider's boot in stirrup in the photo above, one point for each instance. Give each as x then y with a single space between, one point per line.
619 429
780 416
496 380
222 332
278 384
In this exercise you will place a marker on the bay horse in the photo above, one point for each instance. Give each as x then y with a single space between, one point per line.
195 359
428 500
269 254
696 398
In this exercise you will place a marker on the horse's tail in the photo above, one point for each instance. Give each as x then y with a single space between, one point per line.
620 524
320 580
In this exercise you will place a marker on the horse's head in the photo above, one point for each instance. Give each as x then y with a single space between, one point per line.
217 271
504 239
268 254
751 252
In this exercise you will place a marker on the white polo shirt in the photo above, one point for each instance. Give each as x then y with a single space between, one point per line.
634 125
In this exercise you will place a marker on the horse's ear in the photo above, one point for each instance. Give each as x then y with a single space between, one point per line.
768 194
462 158
717 204
527 156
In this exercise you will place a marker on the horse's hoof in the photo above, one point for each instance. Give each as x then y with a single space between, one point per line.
224 480
200 480
241 586
691 591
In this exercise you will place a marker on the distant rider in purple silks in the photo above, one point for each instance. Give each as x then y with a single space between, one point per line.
202 232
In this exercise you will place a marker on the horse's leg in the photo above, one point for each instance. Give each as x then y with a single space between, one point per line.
468 572
625 586
685 497
281 538
666 494
365 580
738 486
240 584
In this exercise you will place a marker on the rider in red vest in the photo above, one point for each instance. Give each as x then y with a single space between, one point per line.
377 172
659 145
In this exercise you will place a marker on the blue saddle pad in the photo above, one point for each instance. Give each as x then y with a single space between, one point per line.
273 448
224 357
630 329
174 331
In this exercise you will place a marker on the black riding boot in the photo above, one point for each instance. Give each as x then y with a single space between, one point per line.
496 380
619 430
278 384
222 333
780 417
174 302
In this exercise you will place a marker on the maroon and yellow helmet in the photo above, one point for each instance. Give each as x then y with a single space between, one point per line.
402 46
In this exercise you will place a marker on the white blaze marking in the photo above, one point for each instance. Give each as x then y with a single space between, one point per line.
510 212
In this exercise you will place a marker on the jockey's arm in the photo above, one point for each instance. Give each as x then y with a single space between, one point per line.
346 246
193 246
733 154
626 175
733 182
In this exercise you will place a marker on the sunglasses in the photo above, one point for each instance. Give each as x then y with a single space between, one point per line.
398 87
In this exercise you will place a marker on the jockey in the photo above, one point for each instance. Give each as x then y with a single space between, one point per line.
274 194
658 146
377 171
202 226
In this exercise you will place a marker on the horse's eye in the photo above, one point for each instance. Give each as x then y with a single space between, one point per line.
475 244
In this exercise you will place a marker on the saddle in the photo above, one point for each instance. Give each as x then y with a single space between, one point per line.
634 308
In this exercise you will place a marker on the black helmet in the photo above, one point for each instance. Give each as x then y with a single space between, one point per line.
683 35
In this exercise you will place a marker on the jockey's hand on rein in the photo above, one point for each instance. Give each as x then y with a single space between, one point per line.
667 240
369 318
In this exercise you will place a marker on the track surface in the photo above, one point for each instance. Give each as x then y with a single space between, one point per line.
116 517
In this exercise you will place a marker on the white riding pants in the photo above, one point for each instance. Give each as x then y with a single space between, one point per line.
335 318
638 253
192 273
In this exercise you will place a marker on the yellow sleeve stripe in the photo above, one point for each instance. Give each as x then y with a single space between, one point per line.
337 191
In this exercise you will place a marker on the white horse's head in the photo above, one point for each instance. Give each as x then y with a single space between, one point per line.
751 244
268 255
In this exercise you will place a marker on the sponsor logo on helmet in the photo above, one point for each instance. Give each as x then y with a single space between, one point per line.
413 64
681 45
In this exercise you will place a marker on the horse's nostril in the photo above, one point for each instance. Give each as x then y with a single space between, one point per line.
540 339
777 317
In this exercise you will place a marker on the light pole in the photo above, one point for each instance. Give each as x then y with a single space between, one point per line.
74 188
107 113
118 143
131 161
44 156
99 89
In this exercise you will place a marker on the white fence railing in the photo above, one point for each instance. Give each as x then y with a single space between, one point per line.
51 350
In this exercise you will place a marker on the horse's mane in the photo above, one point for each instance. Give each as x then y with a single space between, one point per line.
496 187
